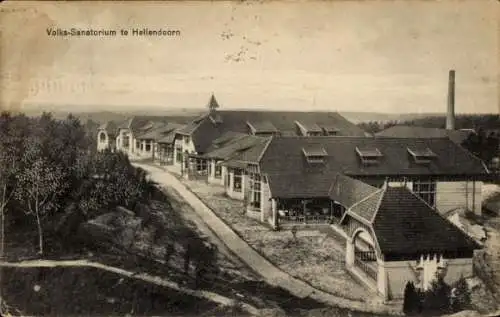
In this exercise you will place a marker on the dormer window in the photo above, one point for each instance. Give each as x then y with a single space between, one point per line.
329 130
369 156
262 128
315 155
422 156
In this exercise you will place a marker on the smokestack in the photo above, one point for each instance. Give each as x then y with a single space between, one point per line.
450 114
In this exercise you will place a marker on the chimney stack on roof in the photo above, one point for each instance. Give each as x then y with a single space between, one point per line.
450 114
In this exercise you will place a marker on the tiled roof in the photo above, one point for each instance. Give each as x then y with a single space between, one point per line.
285 154
262 127
225 138
294 185
252 154
159 131
406 224
368 206
457 136
139 123
309 127
349 191
233 147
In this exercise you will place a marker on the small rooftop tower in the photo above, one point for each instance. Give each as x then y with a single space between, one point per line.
450 114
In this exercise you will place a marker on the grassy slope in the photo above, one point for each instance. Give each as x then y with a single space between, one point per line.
88 291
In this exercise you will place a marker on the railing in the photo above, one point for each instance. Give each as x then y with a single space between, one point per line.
366 267
366 255
307 219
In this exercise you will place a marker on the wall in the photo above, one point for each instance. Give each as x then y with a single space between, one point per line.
230 189
399 184
189 147
265 204
399 273
453 195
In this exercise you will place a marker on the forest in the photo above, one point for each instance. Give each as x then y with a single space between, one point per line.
48 165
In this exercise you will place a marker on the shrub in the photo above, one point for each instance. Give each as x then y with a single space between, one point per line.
437 297
461 296
411 301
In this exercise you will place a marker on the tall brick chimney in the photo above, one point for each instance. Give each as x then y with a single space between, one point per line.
450 114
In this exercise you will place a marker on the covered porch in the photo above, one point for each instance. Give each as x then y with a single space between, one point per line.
194 166
165 153
304 211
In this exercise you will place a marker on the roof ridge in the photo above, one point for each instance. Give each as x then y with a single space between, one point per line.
384 188
264 149
367 197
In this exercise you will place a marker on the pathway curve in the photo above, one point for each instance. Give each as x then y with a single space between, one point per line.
272 274
140 276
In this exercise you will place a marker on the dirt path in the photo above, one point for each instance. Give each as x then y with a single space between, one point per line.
140 276
257 262
191 216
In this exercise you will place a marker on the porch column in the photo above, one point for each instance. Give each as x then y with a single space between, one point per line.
349 253
274 210
382 279
304 203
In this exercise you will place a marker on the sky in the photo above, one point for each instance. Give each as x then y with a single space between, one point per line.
373 56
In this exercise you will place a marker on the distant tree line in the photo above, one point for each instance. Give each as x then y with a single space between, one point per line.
472 121
484 143
46 165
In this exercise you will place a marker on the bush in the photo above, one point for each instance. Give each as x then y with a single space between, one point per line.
411 301
461 296
437 297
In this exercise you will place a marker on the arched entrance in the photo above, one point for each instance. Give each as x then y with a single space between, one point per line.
361 253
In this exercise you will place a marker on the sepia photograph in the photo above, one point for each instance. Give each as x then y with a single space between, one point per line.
250 158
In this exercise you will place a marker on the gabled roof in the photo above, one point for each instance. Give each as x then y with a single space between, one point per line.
404 223
451 158
204 130
139 124
402 131
159 131
111 127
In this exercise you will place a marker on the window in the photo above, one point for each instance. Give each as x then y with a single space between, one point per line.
201 165
178 154
255 190
237 180
102 137
148 146
426 190
218 171
187 139
137 144
126 141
